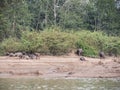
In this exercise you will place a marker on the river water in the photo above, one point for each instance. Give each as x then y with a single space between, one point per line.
59 84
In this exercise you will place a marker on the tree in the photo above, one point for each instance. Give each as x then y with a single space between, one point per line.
108 16
16 16
72 13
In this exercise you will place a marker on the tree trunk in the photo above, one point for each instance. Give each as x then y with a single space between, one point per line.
55 13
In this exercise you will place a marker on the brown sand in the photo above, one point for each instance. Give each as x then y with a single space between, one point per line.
60 67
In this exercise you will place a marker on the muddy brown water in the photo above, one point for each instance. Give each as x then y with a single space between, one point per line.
60 84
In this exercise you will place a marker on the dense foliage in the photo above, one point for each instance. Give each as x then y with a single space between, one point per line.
23 26
94 15
54 41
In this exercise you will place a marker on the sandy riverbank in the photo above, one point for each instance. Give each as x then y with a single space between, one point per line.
60 67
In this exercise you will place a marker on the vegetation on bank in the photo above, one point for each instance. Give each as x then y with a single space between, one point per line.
86 24
54 41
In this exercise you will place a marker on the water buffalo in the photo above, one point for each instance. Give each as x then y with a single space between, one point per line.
82 59
24 57
34 55
11 55
79 52
18 54
37 55
7 53
101 54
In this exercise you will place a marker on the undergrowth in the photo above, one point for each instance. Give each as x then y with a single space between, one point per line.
54 41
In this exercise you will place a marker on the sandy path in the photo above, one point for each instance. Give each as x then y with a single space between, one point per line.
59 67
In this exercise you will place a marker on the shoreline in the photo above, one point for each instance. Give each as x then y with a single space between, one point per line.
60 67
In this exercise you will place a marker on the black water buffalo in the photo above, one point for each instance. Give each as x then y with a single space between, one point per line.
82 59
101 54
79 52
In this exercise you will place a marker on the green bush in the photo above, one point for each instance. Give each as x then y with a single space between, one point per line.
93 42
2 52
31 41
113 46
56 42
94 39
87 50
10 45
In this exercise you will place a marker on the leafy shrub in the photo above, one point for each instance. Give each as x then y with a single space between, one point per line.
93 42
11 45
2 52
113 46
56 42
87 50
31 41
94 39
